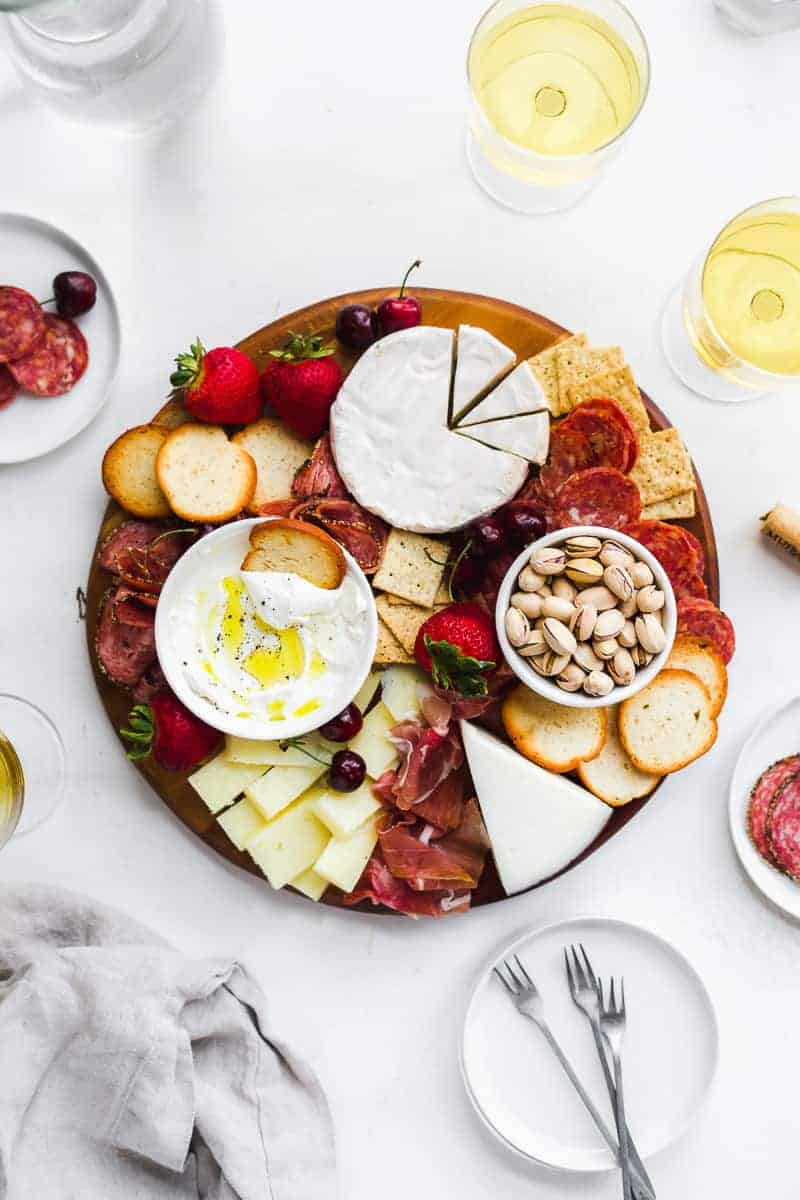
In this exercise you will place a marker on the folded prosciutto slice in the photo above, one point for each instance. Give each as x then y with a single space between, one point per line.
444 808
381 887
318 476
449 863
426 759
356 529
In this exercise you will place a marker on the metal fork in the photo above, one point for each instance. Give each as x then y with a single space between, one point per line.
586 995
612 1027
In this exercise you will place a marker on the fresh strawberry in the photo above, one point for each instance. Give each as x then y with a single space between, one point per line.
177 739
458 647
301 384
220 386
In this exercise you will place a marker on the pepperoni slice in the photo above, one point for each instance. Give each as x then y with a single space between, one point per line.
599 496
692 586
8 387
761 798
701 618
610 433
570 451
22 323
697 546
671 547
783 827
57 361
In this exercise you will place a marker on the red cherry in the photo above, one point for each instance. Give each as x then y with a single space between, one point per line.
348 771
488 535
400 312
344 726
525 520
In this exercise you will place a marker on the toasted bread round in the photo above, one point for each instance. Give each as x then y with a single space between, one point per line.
172 414
699 656
555 737
203 475
611 775
293 547
278 454
129 472
669 723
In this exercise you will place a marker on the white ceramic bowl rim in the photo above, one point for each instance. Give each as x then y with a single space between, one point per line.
545 687
235 725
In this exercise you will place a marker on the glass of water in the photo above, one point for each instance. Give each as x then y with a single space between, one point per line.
761 16
128 65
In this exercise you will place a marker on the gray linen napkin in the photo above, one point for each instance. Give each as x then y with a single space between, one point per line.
128 1072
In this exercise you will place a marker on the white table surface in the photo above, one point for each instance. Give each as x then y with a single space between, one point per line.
328 158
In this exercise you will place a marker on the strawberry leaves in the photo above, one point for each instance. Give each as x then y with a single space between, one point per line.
140 732
454 670
189 366
299 348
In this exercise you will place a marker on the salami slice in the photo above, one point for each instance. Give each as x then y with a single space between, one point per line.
692 586
57 361
610 433
8 387
570 451
783 827
762 796
126 642
599 496
22 323
143 554
701 618
697 546
671 547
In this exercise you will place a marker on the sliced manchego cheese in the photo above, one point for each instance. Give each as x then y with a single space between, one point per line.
276 790
310 884
343 860
272 754
289 844
373 744
219 782
537 822
368 690
345 812
402 689
242 823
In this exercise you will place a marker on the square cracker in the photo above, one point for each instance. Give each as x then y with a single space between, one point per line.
576 364
675 509
441 598
388 650
412 567
545 368
404 620
621 387
663 468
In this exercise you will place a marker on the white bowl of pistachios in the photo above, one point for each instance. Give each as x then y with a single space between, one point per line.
586 617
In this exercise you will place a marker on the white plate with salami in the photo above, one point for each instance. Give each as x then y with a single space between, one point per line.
59 338
520 1091
765 806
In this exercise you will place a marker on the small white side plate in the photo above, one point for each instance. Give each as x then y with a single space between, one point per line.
776 736
31 254
670 1052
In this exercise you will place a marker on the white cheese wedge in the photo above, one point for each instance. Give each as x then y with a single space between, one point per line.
519 393
273 754
402 690
243 823
537 822
481 360
373 744
343 860
280 786
392 445
310 884
219 782
290 844
368 690
345 812
527 436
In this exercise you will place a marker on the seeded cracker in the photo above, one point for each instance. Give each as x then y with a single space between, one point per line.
404 620
412 567
676 509
621 387
576 364
389 651
663 468
545 368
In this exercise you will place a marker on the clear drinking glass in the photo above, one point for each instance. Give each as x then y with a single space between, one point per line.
129 65
732 331
31 767
554 88
761 16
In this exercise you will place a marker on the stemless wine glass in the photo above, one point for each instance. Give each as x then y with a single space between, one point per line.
129 65
732 331
761 16
554 88
31 767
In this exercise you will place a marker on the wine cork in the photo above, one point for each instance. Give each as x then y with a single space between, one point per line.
782 524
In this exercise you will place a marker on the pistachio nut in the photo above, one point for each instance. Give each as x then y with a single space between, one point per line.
583 621
605 648
599 597
650 599
529 603
618 580
563 588
641 574
609 624
650 633
554 606
571 678
530 581
584 571
585 657
597 683
517 627
611 552
622 668
627 635
583 546
548 560
558 637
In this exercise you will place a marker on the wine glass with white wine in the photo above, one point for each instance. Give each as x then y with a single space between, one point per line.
554 89
31 767
732 331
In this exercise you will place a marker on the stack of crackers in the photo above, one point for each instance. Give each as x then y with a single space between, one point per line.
410 587
573 371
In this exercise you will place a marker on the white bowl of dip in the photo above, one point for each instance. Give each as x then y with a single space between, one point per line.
262 655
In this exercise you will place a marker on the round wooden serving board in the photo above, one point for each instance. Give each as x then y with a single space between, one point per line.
527 333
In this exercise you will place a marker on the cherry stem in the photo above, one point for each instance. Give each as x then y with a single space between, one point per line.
52 300
413 267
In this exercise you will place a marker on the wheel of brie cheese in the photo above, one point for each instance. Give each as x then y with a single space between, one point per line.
393 446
